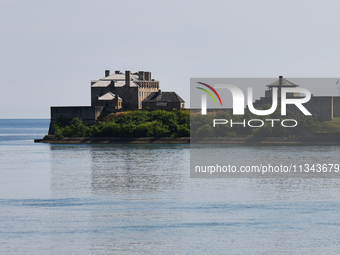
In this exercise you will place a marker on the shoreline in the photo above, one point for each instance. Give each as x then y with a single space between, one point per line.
74 140
304 139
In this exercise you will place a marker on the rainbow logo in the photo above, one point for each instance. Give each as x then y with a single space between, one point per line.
207 91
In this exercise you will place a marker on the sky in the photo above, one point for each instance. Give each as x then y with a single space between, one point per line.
51 50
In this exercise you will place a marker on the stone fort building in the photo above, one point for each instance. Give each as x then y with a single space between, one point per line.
120 92
323 107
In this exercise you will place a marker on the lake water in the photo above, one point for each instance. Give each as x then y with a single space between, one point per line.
139 199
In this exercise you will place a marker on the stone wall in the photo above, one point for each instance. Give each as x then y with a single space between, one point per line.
87 114
128 94
98 91
336 106
321 106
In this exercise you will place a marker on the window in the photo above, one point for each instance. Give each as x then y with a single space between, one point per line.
161 104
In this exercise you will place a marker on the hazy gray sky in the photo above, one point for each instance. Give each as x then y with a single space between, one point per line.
51 50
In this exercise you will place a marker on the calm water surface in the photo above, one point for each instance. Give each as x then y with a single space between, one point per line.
139 199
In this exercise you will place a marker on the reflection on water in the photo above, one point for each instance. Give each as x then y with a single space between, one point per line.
296 161
139 199
116 169
86 170
140 168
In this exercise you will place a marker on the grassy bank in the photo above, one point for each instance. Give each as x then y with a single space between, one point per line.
330 126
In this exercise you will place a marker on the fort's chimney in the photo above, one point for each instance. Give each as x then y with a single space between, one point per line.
127 78
117 72
280 81
147 76
141 75
159 92
107 73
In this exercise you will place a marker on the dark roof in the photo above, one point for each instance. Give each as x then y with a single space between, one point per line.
285 83
163 97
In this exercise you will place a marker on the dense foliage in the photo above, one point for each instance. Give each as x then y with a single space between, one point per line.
177 124
130 124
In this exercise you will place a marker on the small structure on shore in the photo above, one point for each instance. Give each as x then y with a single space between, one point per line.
163 100
325 108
